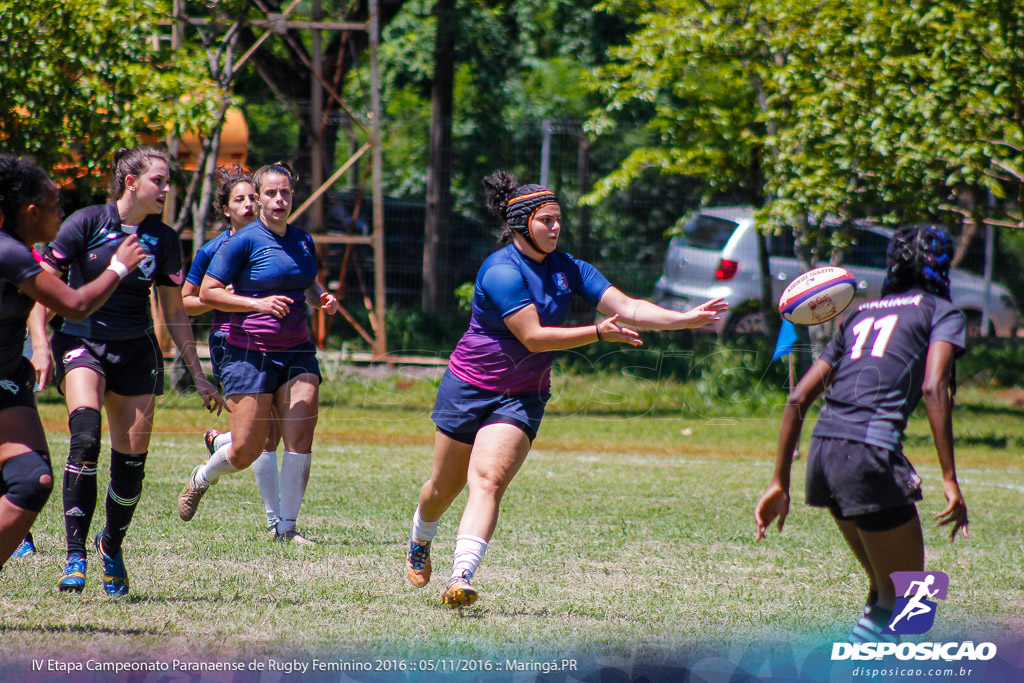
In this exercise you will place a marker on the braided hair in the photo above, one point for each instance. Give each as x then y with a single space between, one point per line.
226 179
21 183
919 256
132 162
516 204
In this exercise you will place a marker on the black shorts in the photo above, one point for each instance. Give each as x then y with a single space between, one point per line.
132 367
17 389
854 478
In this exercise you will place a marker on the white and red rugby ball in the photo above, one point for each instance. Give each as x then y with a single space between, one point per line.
818 295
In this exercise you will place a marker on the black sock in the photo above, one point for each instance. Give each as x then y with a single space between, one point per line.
79 489
79 493
126 473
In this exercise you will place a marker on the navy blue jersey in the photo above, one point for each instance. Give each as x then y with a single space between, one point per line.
17 264
84 246
258 263
198 270
879 359
489 355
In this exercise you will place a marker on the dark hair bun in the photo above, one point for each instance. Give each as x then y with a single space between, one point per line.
501 185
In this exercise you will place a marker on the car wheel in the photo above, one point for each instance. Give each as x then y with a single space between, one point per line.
974 329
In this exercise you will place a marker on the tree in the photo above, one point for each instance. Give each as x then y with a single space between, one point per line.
81 78
899 111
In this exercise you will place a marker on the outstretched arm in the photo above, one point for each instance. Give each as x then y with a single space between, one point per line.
939 407
75 304
774 503
647 315
525 325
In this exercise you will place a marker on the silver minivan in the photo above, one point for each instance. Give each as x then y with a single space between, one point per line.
716 256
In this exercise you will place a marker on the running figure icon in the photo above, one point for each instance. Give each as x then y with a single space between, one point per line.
916 606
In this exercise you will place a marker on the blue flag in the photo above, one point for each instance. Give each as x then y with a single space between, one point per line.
787 340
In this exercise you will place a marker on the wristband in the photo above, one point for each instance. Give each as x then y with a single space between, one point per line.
119 268
597 328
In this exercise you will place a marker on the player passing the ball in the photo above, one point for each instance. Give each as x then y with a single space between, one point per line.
886 355
30 213
491 399
111 360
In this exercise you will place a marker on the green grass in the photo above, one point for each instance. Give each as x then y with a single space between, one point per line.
628 533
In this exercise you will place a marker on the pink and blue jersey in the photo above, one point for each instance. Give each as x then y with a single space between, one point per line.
489 356
200 264
260 263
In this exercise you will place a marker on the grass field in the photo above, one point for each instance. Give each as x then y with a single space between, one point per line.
628 533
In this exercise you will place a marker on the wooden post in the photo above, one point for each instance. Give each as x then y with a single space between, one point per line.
377 160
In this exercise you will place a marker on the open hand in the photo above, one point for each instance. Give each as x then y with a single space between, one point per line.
212 399
955 512
773 504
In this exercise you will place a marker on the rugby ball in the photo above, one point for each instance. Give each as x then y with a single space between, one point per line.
818 295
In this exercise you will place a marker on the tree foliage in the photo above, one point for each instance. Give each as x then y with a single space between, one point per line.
899 110
83 77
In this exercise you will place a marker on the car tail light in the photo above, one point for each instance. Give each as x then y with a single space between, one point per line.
726 269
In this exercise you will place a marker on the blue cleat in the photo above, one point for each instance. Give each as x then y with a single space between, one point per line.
26 549
115 578
417 563
73 578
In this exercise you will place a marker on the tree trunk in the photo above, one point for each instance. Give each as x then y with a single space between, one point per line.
439 204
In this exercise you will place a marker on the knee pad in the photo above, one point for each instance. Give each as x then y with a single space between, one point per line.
126 475
84 424
29 480
884 520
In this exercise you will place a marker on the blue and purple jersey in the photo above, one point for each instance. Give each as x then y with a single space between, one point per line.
489 355
200 264
261 263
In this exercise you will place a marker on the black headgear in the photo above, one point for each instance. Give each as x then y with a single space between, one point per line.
522 206
919 255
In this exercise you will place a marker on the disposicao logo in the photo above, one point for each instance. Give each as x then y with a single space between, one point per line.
914 613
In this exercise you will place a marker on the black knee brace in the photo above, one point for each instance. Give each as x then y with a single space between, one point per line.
126 474
28 479
84 424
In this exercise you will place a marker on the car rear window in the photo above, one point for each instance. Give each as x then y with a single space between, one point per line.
707 232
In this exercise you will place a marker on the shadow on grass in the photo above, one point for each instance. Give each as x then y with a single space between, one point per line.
84 629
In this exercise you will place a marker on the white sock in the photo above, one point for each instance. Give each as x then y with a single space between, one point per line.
423 532
469 550
217 465
265 469
221 439
294 477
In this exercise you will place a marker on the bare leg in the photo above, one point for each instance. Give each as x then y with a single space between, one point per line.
447 478
895 550
500 450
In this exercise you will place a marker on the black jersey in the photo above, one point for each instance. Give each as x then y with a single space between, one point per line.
879 358
83 248
17 264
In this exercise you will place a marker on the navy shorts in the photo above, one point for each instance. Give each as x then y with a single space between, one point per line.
461 409
218 348
854 478
16 388
131 367
247 371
